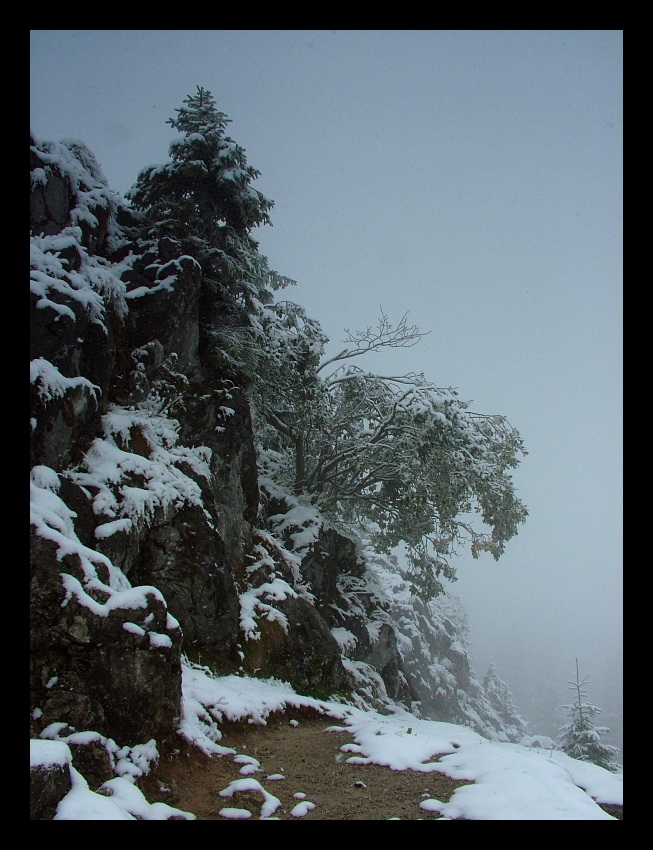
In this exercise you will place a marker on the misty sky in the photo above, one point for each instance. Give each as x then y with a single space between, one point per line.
470 178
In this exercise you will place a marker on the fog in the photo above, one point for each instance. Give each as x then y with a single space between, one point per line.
472 179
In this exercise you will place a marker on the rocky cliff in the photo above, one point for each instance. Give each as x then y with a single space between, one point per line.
156 541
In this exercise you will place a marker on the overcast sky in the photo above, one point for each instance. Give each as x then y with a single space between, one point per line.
470 178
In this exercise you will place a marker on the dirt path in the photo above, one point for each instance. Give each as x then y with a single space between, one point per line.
312 763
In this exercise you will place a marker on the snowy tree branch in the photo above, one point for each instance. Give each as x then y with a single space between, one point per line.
384 335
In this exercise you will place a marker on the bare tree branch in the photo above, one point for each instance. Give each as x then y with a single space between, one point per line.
384 335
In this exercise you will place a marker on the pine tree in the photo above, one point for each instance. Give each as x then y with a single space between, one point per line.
501 700
579 737
204 199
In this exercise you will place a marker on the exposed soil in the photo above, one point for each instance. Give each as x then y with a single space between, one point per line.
616 811
312 762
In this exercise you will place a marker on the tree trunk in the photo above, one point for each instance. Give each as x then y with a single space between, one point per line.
300 464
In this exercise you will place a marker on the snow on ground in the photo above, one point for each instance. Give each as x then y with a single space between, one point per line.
510 781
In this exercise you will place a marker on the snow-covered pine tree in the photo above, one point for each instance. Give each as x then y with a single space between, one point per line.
580 738
203 198
501 700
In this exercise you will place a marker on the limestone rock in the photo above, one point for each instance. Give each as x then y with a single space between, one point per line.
48 785
116 670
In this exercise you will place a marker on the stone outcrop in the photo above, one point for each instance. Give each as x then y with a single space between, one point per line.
149 537
336 573
133 566
48 785
95 663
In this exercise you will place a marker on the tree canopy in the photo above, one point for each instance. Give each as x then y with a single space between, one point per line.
204 197
397 455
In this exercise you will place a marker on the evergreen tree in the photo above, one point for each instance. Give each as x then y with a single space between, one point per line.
204 199
501 700
579 737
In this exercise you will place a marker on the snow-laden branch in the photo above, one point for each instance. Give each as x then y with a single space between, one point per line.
394 451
